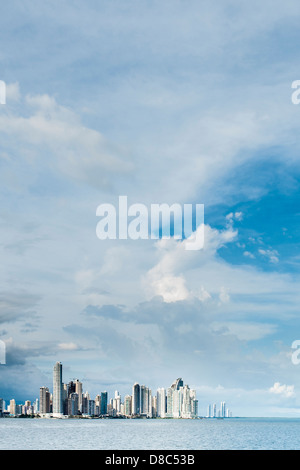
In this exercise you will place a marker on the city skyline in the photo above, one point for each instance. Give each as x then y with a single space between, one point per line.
68 399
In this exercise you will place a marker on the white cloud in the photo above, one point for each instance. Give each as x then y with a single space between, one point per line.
224 296
50 129
272 255
286 391
68 346
12 92
234 216
166 278
245 331
171 288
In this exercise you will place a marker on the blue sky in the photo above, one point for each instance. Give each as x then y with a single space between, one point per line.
165 102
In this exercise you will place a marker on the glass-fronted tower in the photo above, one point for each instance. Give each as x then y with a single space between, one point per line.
136 399
103 403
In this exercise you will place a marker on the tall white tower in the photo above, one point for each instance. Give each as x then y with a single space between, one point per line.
57 389
78 390
161 402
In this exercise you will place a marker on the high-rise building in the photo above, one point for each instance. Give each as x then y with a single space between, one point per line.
136 399
12 407
223 409
91 407
65 399
180 401
161 402
154 406
194 408
78 390
44 400
36 406
73 404
57 389
177 384
116 402
71 388
176 403
127 405
97 405
103 403
146 401
186 402
150 408
170 392
85 405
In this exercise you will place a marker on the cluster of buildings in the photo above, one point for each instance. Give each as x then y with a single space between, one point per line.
69 400
222 412
177 401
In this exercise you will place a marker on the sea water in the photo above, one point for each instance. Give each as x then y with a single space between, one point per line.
153 434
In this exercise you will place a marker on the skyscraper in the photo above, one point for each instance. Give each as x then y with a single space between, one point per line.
161 402
44 400
186 402
136 399
57 389
127 405
117 402
12 407
154 406
223 409
177 384
146 401
73 404
176 403
170 393
91 407
103 403
78 390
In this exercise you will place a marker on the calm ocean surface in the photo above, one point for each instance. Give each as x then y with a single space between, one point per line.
234 433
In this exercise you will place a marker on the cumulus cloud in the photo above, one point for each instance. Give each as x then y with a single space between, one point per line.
166 278
81 153
286 391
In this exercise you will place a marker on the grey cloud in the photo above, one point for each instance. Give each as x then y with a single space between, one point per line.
22 381
173 337
18 354
15 305
112 311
